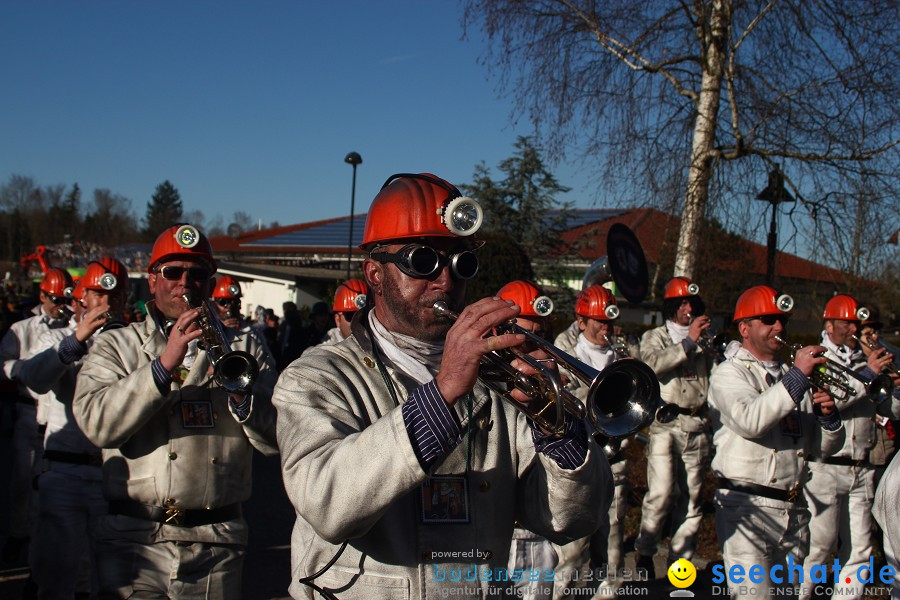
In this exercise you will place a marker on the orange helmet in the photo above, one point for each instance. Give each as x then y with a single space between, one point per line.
57 282
350 296
106 274
597 302
182 241
762 300
528 297
845 308
227 287
419 205
78 291
681 287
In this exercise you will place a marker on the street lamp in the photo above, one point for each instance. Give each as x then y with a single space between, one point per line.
353 158
774 193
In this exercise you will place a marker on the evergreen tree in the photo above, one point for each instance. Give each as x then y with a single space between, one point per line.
163 210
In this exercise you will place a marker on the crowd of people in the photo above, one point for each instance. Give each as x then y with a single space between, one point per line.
420 437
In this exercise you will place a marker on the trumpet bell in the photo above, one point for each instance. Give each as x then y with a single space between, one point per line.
236 371
623 398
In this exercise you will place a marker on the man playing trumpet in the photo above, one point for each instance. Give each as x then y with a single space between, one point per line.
767 420
402 466
842 488
176 446
679 445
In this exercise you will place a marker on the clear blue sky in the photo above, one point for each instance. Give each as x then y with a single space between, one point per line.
248 106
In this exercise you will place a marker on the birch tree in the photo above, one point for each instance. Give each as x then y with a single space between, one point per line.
694 102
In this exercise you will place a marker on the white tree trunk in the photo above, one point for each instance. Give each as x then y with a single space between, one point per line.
702 165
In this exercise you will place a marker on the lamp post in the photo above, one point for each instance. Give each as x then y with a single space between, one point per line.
774 193
353 158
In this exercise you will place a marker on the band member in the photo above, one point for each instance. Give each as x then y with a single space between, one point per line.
176 445
226 298
596 314
71 495
842 487
371 427
348 299
20 342
762 441
678 452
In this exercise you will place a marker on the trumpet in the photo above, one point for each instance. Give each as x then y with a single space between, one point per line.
621 399
891 367
617 343
233 370
834 378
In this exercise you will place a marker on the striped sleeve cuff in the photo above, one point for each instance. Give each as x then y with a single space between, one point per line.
830 422
71 350
432 427
796 383
568 451
866 373
689 345
241 409
161 377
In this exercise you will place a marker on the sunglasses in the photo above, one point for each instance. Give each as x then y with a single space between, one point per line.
771 319
226 302
173 273
424 262
58 299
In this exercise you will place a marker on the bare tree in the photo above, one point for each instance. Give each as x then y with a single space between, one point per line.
700 99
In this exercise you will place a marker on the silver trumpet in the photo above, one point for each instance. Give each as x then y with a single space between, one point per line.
621 399
617 343
834 378
233 370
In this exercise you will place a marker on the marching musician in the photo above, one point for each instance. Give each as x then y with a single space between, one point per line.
71 496
678 452
596 313
842 488
226 299
401 465
176 445
767 421
20 342
349 297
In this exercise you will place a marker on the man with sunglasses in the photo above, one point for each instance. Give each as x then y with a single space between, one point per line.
21 341
767 421
401 466
177 447
678 452
226 299
71 496
842 487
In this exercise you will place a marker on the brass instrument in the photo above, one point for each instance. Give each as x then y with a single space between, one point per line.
834 378
617 343
881 387
891 367
621 399
112 322
233 370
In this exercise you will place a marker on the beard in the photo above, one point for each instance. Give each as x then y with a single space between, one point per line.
416 317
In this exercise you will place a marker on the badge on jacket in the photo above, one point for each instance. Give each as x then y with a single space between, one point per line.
444 499
197 414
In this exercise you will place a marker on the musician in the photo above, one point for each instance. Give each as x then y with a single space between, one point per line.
764 430
350 297
20 342
678 452
226 298
596 314
176 446
841 491
372 427
71 496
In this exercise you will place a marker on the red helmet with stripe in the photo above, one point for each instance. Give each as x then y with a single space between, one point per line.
350 296
528 297
762 300
183 242
57 282
597 302
227 287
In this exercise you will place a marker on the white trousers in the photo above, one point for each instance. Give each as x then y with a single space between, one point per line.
753 534
676 460
840 505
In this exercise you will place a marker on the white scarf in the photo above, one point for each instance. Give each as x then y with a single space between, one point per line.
418 359
846 355
678 332
595 355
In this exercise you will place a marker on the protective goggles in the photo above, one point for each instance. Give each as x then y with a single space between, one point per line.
424 262
174 273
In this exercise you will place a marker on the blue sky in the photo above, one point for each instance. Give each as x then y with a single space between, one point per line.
249 106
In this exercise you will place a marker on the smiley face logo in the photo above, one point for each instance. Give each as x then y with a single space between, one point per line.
682 573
